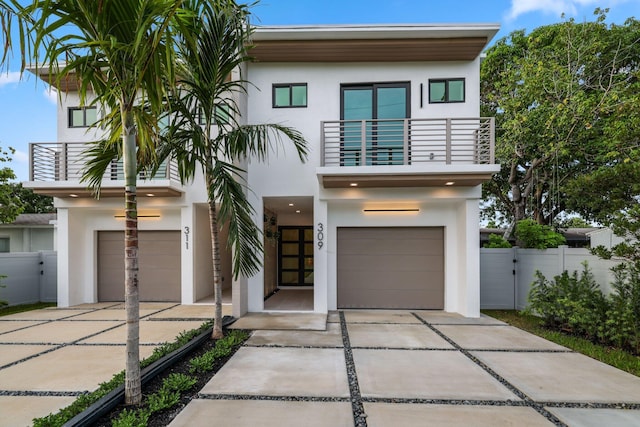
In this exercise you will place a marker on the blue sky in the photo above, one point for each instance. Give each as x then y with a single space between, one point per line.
28 111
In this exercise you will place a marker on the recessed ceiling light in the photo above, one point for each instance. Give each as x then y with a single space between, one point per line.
354 184
290 204
449 183
73 195
150 195
298 211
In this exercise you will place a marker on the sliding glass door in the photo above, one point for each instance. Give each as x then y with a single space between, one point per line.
372 133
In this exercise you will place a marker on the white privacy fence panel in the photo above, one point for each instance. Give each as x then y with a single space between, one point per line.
505 284
31 277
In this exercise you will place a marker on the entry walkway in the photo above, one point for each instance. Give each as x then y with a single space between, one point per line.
400 368
50 356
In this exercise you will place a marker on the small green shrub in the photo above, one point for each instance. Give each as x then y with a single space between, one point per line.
623 315
570 302
179 382
530 234
497 241
131 418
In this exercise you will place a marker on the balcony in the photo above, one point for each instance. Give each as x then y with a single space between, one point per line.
55 169
407 152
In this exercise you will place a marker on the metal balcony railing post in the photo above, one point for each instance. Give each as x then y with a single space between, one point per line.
448 141
363 133
405 142
323 141
492 140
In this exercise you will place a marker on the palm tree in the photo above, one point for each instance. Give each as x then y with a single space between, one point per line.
204 133
120 53
12 14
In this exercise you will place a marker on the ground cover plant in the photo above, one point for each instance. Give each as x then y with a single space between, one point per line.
158 392
5 311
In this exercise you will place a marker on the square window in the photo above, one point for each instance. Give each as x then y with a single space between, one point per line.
82 117
4 244
446 90
290 95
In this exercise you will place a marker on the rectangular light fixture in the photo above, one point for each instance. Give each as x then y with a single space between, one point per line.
392 210
139 216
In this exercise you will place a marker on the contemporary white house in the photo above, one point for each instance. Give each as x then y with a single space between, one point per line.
383 214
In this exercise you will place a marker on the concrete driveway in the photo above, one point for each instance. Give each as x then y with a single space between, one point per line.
356 368
49 356
401 368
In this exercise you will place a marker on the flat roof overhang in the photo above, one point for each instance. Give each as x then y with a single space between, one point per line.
369 177
162 188
371 43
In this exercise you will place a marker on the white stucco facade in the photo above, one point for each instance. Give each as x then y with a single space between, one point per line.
284 180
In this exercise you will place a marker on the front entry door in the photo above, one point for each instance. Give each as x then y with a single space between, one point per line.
295 260
372 135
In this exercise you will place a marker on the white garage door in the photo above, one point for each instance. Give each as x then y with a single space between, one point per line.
159 265
391 267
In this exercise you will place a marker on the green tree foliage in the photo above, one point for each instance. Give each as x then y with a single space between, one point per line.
497 241
10 208
566 102
530 234
30 201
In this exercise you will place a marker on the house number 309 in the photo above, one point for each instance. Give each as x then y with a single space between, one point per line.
320 235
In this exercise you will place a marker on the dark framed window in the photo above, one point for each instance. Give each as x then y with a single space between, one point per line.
446 90
290 95
82 117
222 115
5 244
295 256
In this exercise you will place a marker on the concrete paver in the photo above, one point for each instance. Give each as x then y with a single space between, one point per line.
443 318
410 415
282 321
379 316
394 336
70 368
12 325
111 314
62 331
13 352
332 337
565 377
19 411
282 372
592 417
242 413
496 337
204 312
433 374
151 332
45 314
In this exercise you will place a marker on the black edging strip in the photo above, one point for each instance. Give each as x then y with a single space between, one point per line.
529 402
359 416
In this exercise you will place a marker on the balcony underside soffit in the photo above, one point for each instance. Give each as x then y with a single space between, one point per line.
386 181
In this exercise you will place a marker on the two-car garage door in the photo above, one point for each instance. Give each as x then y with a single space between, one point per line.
391 267
159 275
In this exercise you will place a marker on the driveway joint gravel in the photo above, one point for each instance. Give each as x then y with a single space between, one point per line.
529 402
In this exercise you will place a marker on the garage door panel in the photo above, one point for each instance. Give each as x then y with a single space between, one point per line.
159 274
391 267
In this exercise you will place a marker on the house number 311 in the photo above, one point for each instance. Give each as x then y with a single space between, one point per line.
320 235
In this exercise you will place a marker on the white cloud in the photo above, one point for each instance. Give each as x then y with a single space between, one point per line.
20 157
51 95
555 7
9 77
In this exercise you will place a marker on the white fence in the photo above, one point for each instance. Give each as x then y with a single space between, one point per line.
506 274
31 277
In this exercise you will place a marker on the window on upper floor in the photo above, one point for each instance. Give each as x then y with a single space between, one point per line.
289 95
222 115
446 90
4 244
82 117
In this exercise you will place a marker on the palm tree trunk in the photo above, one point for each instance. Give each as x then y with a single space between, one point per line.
132 390
217 271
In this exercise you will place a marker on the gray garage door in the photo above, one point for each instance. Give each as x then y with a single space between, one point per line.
394 267
159 265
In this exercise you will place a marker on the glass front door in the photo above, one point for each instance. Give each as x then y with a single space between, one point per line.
295 260
372 134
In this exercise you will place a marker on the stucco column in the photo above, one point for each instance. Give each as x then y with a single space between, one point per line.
320 239
187 248
469 304
62 249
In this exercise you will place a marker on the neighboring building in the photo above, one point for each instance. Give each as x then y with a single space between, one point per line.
575 237
604 237
384 213
28 233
